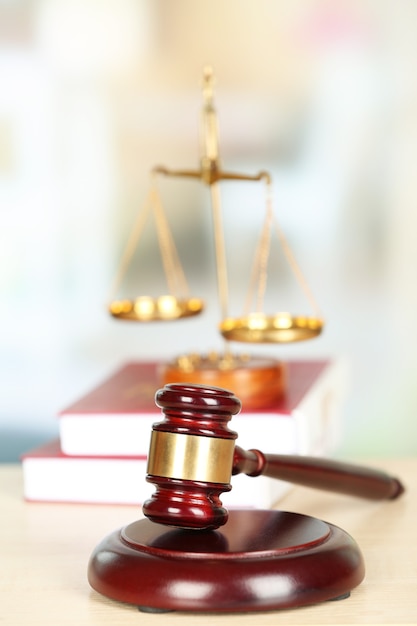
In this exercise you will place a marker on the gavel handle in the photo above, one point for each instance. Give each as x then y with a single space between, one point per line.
319 473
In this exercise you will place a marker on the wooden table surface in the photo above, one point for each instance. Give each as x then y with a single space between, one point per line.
45 548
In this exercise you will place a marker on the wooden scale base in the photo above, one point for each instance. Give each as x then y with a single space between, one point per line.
257 381
259 560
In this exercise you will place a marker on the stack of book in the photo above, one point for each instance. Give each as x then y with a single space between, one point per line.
101 453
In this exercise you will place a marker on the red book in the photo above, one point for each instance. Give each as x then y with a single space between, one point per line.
51 476
115 418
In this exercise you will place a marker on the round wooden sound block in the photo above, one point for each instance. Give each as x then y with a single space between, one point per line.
260 560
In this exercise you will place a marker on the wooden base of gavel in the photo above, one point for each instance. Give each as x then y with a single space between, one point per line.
191 554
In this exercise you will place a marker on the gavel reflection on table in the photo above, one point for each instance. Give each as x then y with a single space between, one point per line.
192 554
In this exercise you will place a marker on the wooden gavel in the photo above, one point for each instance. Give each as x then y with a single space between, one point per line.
193 456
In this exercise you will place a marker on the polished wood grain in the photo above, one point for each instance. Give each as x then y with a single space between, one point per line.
261 560
185 463
45 548
259 383
348 478
192 458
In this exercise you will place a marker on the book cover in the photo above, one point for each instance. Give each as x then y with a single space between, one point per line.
51 476
116 417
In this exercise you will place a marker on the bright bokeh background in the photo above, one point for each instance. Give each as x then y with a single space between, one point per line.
94 93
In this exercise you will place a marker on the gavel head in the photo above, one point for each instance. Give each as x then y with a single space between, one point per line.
191 456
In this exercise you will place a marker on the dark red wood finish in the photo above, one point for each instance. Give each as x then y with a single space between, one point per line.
206 411
191 410
186 503
260 560
197 410
319 473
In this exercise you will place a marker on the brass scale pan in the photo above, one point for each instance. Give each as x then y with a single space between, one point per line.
253 328
148 309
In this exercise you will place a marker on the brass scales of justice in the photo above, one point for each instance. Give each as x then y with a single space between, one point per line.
256 380
188 553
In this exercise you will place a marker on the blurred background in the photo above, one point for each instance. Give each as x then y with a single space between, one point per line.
94 93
